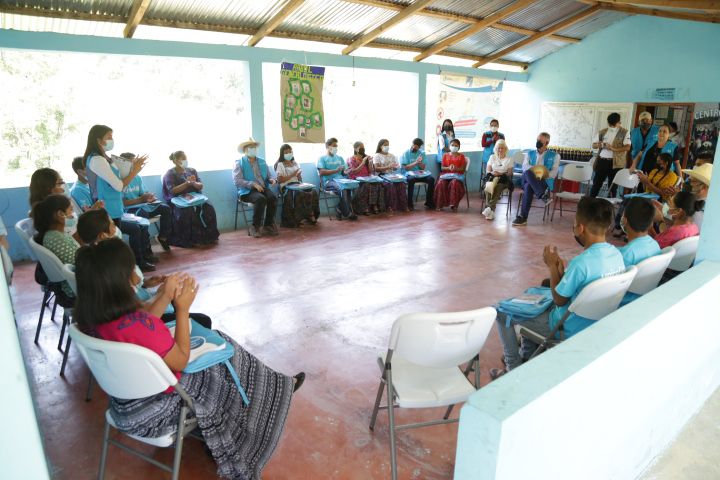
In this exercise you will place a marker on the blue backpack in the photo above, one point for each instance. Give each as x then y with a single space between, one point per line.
218 351
522 310
192 199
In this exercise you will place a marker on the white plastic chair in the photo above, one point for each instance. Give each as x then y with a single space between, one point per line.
25 230
128 371
597 300
685 251
573 172
626 180
420 368
650 271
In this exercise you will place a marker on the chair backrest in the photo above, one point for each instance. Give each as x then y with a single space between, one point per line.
685 251
123 370
441 339
603 296
518 158
51 264
626 179
574 172
76 208
650 271
68 272
25 230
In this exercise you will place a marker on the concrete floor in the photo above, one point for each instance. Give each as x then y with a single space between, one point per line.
694 454
320 299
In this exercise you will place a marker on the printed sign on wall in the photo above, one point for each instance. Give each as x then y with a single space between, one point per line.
303 117
706 125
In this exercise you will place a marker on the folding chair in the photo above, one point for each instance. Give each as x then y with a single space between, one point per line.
421 366
54 269
465 184
545 206
685 251
625 180
326 195
650 271
129 371
243 207
597 300
580 174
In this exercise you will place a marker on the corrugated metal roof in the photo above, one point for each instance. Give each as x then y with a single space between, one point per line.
101 7
535 50
544 13
420 31
239 13
592 24
486 42
60 25
471 8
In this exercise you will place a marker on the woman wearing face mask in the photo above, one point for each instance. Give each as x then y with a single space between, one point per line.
489 139
645 160
446 135
450 190
385 163
499 177
50 217
298 205
682 208
370 197
191 226
44 182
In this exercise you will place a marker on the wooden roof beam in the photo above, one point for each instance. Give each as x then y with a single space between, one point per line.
654 12
380 29
137 12
703 5
540 35
473 29
275 21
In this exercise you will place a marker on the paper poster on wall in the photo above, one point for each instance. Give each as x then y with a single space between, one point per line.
470 102
303 117
706 124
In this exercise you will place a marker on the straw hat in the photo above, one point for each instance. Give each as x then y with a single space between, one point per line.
247 143
540 172
645 115
703 173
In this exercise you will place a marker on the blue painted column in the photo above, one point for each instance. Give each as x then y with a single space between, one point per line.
709 248
257 105
422 97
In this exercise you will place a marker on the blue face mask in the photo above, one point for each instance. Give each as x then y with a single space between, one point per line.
71 221
109 145
288 156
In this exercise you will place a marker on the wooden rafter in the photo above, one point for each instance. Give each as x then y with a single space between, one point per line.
654 12
137 12
473 29
380 29
275 21
454 17
702 5
540 35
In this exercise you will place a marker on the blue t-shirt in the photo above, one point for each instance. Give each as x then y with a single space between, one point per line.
134 189
331 162
635 252
411 157
598 261
80 192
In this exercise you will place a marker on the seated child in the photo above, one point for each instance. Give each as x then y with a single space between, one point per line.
636 223
682 207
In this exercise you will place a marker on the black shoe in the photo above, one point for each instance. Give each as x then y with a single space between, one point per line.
353 217
151 258
164 244
519 221
338 216
545 283
545 197
147 267
299 379
254 232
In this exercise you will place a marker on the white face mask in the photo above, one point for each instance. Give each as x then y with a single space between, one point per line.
333 150
251 152
184 163
109 145
288 156
454 148
493 129
385 148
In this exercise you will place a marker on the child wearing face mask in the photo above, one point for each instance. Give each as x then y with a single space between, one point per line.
450 188
682 207
384 163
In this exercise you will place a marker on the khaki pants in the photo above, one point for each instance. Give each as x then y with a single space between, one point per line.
497 189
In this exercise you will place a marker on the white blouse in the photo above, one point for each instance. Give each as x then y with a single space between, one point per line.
283 171
500 165
384 160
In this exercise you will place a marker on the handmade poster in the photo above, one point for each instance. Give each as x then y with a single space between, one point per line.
303 118
706 123
470 102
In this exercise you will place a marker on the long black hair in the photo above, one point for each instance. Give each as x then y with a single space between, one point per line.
96 133
42 183
445 122
382 142
103 272
43 214
281 157
688 203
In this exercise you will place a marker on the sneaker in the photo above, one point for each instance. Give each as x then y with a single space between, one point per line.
254 232
164 244
147 267
352 216
545 197
519 221
270 230
487 211
490 216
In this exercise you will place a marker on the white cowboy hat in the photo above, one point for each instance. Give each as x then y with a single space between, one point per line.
703 173
250 141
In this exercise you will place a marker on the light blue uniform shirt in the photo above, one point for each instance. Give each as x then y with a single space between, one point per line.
598 261
331 162
635 252
134 189
80 192
411 157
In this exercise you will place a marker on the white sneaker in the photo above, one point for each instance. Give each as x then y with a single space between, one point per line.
487 211
490 216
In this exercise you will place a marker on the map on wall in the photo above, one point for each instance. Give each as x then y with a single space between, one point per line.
574 125
303 117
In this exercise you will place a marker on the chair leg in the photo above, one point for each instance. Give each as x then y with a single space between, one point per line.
552 217
46 296
391 417
103 454
244 213
377 405
52 315
179 437
65 322
88 392
237 211
65 356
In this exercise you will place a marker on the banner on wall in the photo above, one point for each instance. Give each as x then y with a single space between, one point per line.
470 102
303 117
706 124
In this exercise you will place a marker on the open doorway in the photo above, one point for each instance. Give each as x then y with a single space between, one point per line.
665 113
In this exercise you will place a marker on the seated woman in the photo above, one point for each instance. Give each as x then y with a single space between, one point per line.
449 191
194 226
51 217
395 191
682 208
499 177
240 437
298 205
44 182
370 197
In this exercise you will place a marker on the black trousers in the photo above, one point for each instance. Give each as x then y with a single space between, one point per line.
604 171
165 214
138 238
264 205
429 197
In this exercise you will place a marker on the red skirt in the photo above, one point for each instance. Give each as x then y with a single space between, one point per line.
449 193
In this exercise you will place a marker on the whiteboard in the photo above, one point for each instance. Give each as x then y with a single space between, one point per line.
575 124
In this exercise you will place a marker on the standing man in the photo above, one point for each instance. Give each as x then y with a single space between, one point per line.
331 167
413 163
253 179
644 135
532 185
613 143
488 141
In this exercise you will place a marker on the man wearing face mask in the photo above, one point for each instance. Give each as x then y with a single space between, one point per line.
613 144
413 164
534 187
253 179
599 259
331 167
488 141
643 135
699 186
